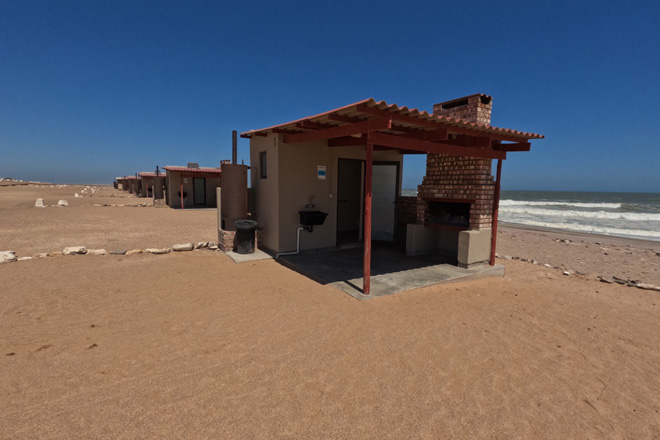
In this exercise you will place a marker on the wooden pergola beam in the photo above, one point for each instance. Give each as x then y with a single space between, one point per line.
518 146
471 141
348 141
401 142
340 131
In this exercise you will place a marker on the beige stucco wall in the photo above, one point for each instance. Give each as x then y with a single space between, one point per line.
266 197
211 184
174 187
292 182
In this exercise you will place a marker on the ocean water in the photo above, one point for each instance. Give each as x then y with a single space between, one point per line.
631 215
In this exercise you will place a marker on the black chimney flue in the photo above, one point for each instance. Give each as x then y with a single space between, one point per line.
234 147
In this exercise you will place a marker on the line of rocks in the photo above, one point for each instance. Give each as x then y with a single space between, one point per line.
609 280
10 256
39 203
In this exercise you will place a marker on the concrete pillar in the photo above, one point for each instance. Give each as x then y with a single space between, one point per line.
159 185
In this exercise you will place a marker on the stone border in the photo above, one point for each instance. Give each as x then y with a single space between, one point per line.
10 256
567 272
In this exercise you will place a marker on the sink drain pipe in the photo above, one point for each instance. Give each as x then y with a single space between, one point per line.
297 251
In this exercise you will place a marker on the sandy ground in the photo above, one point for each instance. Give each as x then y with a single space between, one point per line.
592 255
192 345
28 230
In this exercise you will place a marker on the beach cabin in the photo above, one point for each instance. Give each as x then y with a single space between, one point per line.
152 184
121 183
133 183
334 180
191 186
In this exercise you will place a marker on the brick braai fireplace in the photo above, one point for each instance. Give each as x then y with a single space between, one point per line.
455 199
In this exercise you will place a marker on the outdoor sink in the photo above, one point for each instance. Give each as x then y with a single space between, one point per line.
309 219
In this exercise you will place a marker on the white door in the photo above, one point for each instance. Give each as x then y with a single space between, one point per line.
382 202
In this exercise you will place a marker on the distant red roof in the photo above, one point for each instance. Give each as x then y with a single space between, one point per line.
151 174
200 170
130 177
357 112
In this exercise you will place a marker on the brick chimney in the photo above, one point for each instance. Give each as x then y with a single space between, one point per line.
473 108
460 186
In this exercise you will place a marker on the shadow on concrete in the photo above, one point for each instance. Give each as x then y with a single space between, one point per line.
392 271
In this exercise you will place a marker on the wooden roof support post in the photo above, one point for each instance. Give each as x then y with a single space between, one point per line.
496 207
366 285
181 193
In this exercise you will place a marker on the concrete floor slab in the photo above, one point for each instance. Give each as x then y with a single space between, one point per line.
392 271
242 258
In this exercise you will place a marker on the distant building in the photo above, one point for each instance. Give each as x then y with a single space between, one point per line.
191 186
152 184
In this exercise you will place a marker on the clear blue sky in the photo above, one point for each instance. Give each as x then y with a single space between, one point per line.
90 90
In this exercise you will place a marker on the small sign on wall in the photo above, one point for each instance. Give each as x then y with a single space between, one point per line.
321 172
185 180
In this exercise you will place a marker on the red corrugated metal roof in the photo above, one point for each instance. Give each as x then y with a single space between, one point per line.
200 170
354 111
131 177
150 174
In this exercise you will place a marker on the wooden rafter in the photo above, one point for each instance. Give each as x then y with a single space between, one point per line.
310 125
471 141
343 118
282 131
340 131
436 124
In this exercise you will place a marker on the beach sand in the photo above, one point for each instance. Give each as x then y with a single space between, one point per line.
192 345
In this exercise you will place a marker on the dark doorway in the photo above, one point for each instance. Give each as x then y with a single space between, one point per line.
199 191
350 190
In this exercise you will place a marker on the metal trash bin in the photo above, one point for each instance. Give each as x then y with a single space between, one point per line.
244 239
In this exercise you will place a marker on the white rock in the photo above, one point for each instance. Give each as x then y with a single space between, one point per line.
62 203
7 256
213 247
77 195
39 203
40 255
202 245
159 251
183 247
647 286
547 265
567 273
24 258
73 250
135 251
97 251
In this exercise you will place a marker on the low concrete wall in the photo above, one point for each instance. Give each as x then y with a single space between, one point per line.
468 247
420 240
474 247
